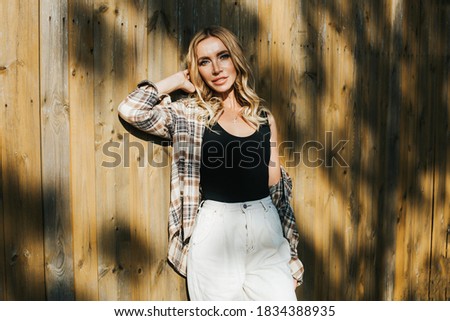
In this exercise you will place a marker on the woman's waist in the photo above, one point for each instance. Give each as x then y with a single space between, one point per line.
262 203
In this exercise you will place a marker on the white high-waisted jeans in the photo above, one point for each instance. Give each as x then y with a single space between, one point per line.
238 252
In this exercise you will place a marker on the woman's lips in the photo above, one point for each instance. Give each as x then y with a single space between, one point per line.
220 81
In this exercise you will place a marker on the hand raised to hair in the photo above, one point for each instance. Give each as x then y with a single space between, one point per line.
185 83
179 80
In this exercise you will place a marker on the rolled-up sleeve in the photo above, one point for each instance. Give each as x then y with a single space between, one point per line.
143 109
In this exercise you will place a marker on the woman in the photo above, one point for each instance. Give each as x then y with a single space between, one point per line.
228 190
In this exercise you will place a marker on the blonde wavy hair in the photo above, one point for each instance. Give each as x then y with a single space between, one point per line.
243 86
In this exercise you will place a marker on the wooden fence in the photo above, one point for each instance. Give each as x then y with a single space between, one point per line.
360 90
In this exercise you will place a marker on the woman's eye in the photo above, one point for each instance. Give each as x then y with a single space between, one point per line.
203 62
224 56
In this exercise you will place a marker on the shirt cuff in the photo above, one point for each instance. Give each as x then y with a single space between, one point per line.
297 270
146 84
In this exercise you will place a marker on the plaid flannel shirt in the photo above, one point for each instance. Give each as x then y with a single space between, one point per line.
182 123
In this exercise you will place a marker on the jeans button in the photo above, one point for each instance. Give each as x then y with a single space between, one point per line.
244 206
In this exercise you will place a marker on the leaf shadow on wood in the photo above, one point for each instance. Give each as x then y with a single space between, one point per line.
127 269
24 252
403 130
367 258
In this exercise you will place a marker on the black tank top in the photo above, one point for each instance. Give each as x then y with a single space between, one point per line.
235 169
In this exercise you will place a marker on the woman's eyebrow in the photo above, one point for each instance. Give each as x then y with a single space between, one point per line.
218 54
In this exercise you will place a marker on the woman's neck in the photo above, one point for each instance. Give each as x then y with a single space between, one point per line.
230 101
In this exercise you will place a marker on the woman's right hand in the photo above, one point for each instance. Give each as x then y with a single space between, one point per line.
179 80
185 82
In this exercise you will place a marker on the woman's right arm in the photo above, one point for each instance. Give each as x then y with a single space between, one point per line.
177 81
141 109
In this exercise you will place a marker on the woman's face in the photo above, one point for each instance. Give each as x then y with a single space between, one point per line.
215 65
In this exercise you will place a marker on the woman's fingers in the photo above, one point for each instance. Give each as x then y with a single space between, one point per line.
187 85
190 87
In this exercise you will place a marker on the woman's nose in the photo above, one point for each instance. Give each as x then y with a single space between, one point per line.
217 68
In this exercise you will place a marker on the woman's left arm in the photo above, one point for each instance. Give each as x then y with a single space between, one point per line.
274 165
280 190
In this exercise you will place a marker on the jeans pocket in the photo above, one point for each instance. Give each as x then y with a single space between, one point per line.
203 225
273 220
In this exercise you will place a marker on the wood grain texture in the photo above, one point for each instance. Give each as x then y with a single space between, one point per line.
82 149
141 207
388 190
56 150
21 156
152 204
416 121
111 24
84 203
305 89
439 69
3 106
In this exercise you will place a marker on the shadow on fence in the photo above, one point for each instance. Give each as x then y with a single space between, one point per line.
399 101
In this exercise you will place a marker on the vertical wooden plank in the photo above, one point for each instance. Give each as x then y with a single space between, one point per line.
373 78
439 97
389 197
21 154
356 212
422 167
3 62
3 107
230 15
330 124
303 100
55 151
308 146
331 180
367 73
327 203
186 28
248 34
193 16
113 22
141 207
351 171
401 257
2 222
82 150
153 278
308 184
280 68
264 51
322 227
153 207
340 144
417 135
284 46
296 102
403 247
206 13
391 194
385 120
